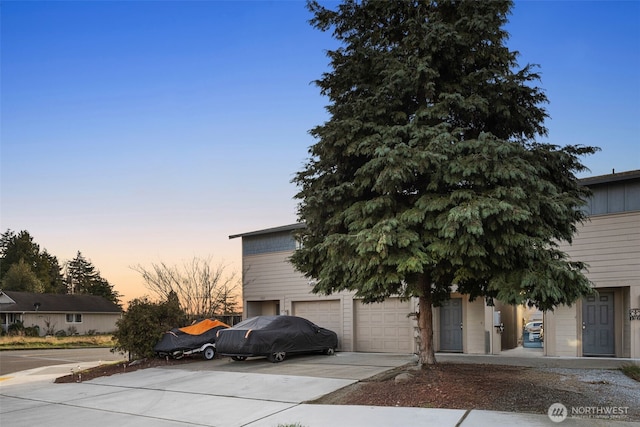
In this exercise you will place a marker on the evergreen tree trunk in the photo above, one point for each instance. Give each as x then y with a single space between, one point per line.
425 323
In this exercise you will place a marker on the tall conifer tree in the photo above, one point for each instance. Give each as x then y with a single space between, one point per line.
20 253
84 278
428 175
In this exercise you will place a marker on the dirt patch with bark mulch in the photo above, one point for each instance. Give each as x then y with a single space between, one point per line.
490 387
109 369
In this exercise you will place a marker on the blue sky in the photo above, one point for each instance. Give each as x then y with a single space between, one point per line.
146 132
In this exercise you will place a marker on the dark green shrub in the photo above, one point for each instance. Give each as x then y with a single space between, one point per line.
142 326
16 328
32 331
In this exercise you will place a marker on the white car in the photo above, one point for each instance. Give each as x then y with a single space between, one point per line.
535 330
533 327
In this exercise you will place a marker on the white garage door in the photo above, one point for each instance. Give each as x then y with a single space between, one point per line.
384 327
323 313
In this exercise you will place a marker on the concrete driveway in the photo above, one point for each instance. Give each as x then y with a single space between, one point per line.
207 393
342 365
253 393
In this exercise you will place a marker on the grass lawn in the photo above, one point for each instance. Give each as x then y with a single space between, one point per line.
26 343
632 371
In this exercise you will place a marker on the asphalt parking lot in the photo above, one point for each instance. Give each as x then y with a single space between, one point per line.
23 360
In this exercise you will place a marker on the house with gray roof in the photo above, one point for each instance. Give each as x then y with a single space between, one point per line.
50 313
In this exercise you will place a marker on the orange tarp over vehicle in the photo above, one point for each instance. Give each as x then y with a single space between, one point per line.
193 337
202 327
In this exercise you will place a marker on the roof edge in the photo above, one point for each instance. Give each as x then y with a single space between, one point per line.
612 177
289 227
592 180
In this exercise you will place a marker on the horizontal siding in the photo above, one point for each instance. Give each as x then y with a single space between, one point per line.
268 275
474 327
610 245
272 277
567 342
97 323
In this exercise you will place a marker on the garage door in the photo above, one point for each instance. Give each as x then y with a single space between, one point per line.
384 327
323 313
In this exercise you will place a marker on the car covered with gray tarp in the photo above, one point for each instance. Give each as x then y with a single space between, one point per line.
275 337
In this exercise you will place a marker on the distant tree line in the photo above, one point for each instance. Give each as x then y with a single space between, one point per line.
25 267
185 294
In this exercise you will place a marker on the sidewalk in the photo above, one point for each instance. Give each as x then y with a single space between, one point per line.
179 397
534 358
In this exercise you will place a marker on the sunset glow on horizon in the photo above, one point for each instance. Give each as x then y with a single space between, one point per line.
147 132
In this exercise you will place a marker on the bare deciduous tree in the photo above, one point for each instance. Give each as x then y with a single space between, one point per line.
204 290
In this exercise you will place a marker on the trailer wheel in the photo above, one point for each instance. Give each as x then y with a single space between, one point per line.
238 358
277 357
209 353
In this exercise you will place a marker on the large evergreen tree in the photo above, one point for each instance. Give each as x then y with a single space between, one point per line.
50 270
19 253
427 173
84 278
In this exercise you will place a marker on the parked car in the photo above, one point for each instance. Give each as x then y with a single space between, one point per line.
197 338
533 333
275 337
533 327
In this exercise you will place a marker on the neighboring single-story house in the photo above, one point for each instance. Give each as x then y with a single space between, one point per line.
609 242
81 314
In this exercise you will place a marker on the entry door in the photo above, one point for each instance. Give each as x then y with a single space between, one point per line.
451 325
597 325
